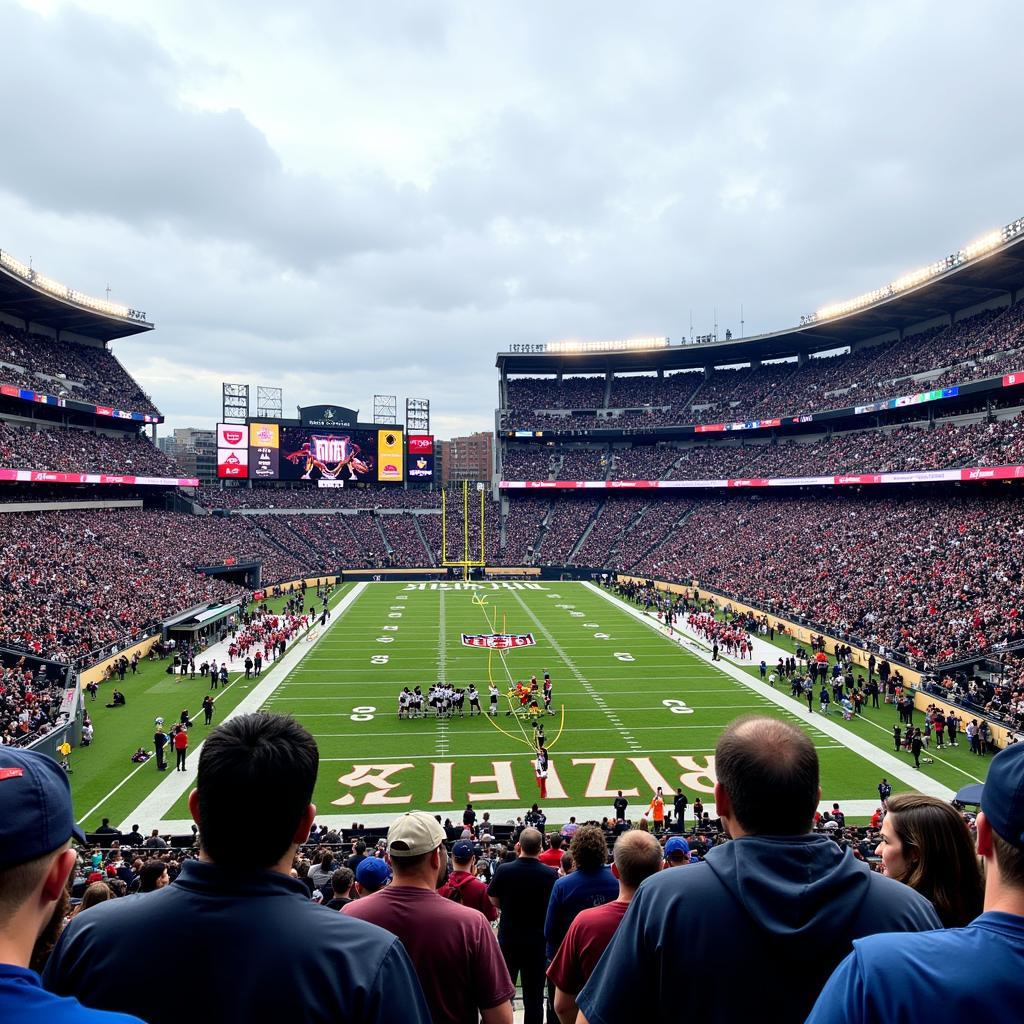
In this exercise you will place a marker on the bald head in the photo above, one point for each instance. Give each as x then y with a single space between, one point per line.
769 769
530 842
637 856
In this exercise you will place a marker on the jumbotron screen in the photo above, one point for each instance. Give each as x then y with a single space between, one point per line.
344 455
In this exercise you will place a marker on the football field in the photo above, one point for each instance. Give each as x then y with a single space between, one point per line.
633 708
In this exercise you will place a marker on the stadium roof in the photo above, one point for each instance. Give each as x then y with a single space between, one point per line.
958 283
29 296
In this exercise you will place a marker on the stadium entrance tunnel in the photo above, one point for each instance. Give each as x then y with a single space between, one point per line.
245 574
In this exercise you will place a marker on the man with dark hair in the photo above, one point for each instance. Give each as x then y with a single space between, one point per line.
976 972
637 856
341 886
521 889
153 876
36 860
778 895
451 946
239 908
552 856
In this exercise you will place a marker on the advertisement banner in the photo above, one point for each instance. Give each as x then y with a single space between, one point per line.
232 435
390 456
232 464
264 451
44 476
421 444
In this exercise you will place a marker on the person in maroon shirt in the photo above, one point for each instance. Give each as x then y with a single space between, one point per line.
637 856
463 886
452 947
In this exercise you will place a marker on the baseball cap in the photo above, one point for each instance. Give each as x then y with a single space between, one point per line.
1002 798
373 871
463 850
415 832
677 845
35 807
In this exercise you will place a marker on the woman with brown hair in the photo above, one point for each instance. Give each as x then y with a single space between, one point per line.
926 845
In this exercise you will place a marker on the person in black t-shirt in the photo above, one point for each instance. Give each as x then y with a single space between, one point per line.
620 804
521 890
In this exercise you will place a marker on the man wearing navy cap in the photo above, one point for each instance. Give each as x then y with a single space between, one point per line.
372 875
463 886
677 852
977 970
36 827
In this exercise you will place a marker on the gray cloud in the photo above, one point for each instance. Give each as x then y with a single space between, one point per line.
344 199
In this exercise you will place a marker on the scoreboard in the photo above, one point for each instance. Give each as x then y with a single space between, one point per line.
331 455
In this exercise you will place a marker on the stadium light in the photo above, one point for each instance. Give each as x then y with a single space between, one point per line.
627 344
976 249
62 291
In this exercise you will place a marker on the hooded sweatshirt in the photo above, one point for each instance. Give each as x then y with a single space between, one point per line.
756 929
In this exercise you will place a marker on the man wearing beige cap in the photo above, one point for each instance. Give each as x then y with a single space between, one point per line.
452 947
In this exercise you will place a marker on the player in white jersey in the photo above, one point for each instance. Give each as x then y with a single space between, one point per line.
492 693
474 700
403 703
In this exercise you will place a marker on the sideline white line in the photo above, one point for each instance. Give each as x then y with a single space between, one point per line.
170 790
889 765
507 815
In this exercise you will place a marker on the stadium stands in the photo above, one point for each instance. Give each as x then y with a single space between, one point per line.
69 370
81 451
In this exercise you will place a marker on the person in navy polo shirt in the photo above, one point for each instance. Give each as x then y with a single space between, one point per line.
972 973
36 826
268 953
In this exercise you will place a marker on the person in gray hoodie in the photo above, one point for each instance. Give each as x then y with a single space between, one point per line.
755 930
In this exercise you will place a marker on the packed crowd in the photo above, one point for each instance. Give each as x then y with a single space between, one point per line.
81 451
315 497
900 449
932 914
85 372
984 345
30 700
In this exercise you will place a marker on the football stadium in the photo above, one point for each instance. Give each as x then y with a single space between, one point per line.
712 675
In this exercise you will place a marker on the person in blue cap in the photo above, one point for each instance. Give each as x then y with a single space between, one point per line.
677 852
977 970
372 874
36 859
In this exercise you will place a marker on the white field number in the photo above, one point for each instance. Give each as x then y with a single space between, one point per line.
362 713
379 659
623 656
678 707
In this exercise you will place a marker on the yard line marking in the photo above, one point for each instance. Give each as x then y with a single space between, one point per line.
166 793
891 766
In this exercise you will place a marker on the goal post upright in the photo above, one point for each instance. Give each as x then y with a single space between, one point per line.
465 562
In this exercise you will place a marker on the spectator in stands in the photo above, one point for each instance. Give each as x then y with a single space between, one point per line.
341 886
463 886
36 826
238 911
372 874
153 876
452 947
782 901
638 855
975 972
926 844
521 888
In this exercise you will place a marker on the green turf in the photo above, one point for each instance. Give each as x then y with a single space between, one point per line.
105 765
612 676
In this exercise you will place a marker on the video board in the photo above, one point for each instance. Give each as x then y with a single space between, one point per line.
421 457
343 454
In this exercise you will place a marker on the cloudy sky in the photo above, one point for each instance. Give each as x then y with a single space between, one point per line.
345 199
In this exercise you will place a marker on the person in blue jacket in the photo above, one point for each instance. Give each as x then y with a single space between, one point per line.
764 919
977 972
36 859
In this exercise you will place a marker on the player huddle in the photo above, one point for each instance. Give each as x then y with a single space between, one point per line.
445 701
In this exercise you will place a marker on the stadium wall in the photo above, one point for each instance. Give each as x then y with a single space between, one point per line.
94 673
1000 733
64 506
289 585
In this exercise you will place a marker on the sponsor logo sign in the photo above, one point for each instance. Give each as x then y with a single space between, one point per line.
232 435
498 641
